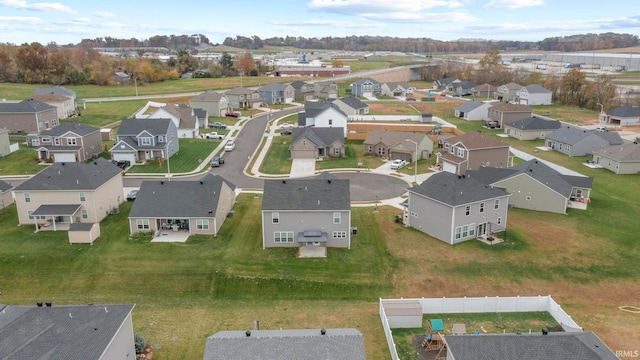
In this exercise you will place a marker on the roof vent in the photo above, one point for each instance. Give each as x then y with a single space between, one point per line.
161 182
545 331
284 181
323 332
530 170
248 333
62 164
48 303
39 303
329 181
201 182
459 176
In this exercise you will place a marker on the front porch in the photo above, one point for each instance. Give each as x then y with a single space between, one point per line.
55 217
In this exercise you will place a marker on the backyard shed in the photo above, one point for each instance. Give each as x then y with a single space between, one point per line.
406 314
106 134
83 233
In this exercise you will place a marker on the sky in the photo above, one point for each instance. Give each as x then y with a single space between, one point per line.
70 21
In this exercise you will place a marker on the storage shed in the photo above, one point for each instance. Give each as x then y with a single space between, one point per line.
83 233
405 314
106 134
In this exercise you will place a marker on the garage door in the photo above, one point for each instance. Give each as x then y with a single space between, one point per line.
303 154
401 156
64 157
126 157
448 167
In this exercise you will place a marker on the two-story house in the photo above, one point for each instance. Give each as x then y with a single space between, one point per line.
398 145
243 98
64 104
140 140
322 114
455 208
507 92
325 89
6 194
471 151
302 91
69 142
58 90
276 93
352 106
314 213
574 141
473 110
66 193
317 142
397 89
182 116
28 116
366 87
534 95
484 91
216 104
503 114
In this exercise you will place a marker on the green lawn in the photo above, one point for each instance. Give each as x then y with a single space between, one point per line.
277 160
192 153
108 112
21 162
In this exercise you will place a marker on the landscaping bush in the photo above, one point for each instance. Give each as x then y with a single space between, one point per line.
139 343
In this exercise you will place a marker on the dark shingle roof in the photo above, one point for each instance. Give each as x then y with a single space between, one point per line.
60 90
25 106
306 194
624 111
298 84
79 129
455 190
80 226
272 87
535 123
629 152
470 105
508 107
314 108
133 127
59 332
536 89
555 345
5 186
208 95
239 91
179 198
307 344
72 176
353 102
393 138
364 80
477 140
572 135
321 136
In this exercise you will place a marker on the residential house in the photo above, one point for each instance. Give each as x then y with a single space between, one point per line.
455 208
575 141
215 103
101 332
443 84
621 159
322 114
352 106
302 91
453 85
583 345
197 207
485 91
534 185
317 143
398 145
5 143
534 95
314 213
473 110
507 92
243 98
276 93
59 90
317 344
66 193
325 89
464 88
183 118
471 151
531 128
28 116
202 116
397 89
366 87
503 114
6 194
621 116
140 140
65 106
69 142
121 78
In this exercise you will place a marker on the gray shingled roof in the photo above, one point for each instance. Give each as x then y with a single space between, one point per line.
321 136
555 345
239 91
179 198
628 152
307 344
60 90
455 190
133 127
272 87
56 209
353 102
298 84
314 108
306 194
536 89
25 106
80 226
5 186
624 111
364 80
79 129
208 95
512 86
535 123
470 105
59 332
572 135
72 176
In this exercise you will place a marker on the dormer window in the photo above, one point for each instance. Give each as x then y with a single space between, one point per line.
460 152
145 141
160 139
72 141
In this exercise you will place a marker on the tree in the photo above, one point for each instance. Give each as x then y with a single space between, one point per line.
337 64
601 91
490 64
245 64
226 61
572 88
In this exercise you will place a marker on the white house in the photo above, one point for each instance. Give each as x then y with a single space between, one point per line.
322 114
534 95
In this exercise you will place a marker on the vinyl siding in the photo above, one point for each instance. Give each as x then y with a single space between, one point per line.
300 221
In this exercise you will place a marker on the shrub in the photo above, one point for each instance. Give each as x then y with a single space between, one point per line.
139 343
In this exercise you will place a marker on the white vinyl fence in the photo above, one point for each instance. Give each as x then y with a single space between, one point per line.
481 305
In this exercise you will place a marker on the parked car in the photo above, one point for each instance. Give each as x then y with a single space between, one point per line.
411 99
285 132
122 164
230 146
398 164
217 161
218 125
286 125
214 135
132 195
602 129
233 114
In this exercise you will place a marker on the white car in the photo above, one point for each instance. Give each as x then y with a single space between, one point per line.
286 125
230 146
398 164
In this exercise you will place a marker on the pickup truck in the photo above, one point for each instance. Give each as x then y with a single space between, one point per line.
214 135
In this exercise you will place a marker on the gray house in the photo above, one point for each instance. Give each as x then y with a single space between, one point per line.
313 213
621 116
621 159
366 87
507 92
574 141
69 142
325 89
531 128
534 95
101 332
196 207
28 116
307 344
58 90
473 110
276 93
243 98
302 91
323 114
501 115
317 143
397 89
534 185
216 104
141 140
352 105
455 208
5 143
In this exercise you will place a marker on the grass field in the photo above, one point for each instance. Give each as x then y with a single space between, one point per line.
191 154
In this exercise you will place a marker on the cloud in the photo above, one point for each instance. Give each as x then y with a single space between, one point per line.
41 6
357 7
448 17
513 4
24 20
104 14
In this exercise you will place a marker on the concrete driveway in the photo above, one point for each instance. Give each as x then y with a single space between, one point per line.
302 168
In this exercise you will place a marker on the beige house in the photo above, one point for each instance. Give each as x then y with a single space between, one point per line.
472 151
531 128
621 159
507 92
65 105
5 143
317 142
243 98
503 114
216 104
67 193
398 145
6 195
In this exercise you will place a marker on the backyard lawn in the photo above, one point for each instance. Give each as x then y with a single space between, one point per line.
191 154
21 162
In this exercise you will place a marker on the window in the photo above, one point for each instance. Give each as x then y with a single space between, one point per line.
304 142
472 229
46 139
36 217
202 224
481 207
56 141
465 231
467 210
83 196
460 152
528 198
72 141
330 121
559 146
381 150
275 218
370 148
143 224
283 236
85 214
458 232
27 197
160 139
339 234
451 150
145 141
30 213
336 151
567 147
496 204
499 221
337 217
578 192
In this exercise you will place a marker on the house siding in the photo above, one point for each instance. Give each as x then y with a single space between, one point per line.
433 218
29 122
542 197
580 148
122 344
226 201
304 149
526 134
616 166
300 221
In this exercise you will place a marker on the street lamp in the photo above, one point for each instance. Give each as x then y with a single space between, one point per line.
415 157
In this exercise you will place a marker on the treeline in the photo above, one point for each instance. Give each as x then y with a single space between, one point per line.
587 42
172 42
